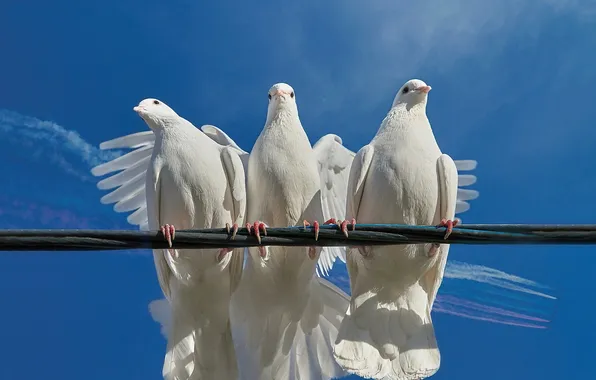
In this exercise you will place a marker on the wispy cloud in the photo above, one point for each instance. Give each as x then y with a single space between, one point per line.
352 55
479 273
48 140
472 310
373 46
487 294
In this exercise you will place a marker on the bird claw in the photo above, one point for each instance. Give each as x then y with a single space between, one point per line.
449 224
256 229
343 226
233 230
315 226
262 252
169 233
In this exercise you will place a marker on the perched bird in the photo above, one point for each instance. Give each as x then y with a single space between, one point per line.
401 177
191 181
284 316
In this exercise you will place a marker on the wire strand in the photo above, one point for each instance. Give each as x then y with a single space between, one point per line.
329 235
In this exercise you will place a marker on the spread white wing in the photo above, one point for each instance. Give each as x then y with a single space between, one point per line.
464 195
335 162
129 181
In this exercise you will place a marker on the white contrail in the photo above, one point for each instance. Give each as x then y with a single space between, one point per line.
51 141
479 273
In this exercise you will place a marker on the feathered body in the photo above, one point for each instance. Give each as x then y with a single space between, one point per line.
288 316
401 177
190 184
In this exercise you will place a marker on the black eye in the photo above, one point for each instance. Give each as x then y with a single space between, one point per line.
156 102
292 94
269 96
405 90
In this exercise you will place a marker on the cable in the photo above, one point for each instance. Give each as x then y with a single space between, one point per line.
365 234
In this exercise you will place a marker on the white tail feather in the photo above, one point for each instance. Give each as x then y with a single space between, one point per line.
305 350
386 338
196 350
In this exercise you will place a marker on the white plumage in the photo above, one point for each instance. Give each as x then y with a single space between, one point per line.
189 181
284 316
400 177
333 162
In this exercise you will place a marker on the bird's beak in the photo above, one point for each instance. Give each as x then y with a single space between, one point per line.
424 89
137 109
279 93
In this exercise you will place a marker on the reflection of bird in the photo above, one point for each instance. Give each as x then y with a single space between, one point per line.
191 182
400 177
286 317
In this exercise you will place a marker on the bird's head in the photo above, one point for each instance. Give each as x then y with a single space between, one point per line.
281 96
413 92
155 112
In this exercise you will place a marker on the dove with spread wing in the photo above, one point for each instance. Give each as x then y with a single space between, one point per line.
184 179
285 316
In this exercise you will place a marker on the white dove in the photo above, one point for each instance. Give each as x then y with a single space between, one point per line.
191 182
401 177
284 316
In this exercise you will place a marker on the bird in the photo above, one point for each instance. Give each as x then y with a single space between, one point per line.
190 181
285 316
400 177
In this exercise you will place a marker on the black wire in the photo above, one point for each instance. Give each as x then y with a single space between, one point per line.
329 235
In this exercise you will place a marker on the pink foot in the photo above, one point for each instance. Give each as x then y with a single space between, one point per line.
331 221
256 228
312 251
315 226
233 230
449 224
169 233
344 226
262 252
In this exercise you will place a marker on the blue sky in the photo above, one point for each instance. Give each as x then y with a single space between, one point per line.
511 88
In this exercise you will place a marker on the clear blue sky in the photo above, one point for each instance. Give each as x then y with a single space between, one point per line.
512 84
